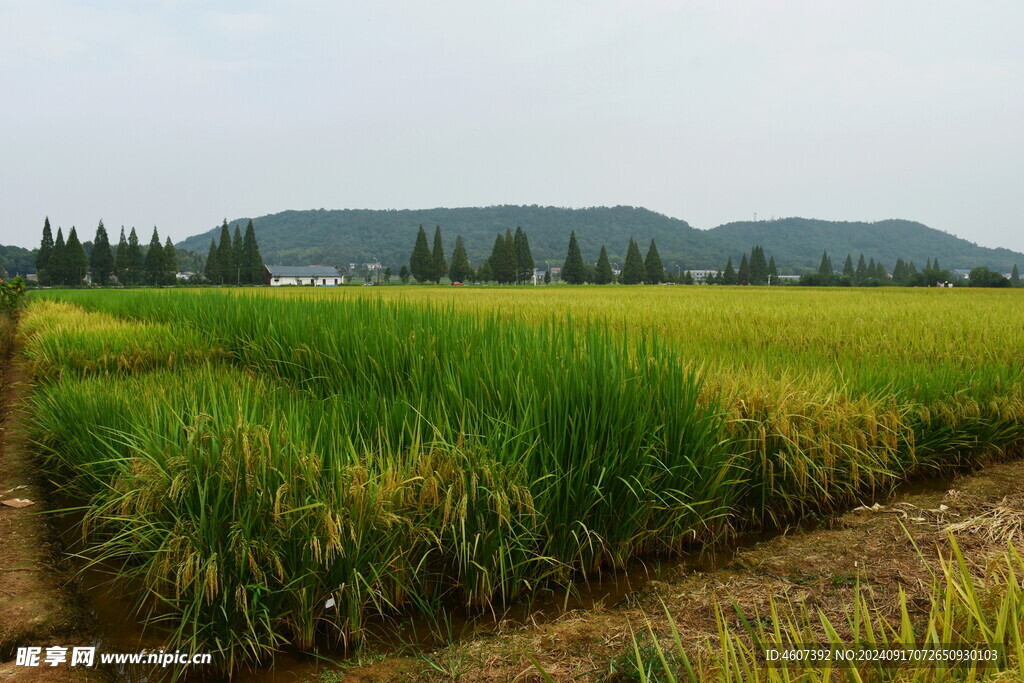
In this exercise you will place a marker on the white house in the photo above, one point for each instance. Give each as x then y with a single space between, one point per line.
308 276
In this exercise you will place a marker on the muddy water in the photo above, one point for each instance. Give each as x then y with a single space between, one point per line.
118 628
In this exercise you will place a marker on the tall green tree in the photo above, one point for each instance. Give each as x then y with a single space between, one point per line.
44 253
743 275
58 261
421 263
633 270
502 261
75 260
758 266
226 256
238 255
861 273
1015 275
135 264
524 258
460 270
437 256
848 270
485 273
604 274
101 260
121 257
572 268
729 274
251 256
826 264
211 270
170 269
654 272
773 271
155 261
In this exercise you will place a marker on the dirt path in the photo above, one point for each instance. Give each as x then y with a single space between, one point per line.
819 568
37 606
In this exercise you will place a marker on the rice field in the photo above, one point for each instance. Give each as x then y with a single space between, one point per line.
271 468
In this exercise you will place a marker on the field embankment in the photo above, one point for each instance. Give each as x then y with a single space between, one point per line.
272 469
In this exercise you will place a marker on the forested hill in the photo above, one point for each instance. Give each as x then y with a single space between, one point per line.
346 236
800 242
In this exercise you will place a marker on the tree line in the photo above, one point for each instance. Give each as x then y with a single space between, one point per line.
510 262
60 262
236 260
904 273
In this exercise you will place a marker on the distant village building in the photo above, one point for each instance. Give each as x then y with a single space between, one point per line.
703 275
308 276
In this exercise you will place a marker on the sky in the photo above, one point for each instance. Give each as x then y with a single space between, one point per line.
180 113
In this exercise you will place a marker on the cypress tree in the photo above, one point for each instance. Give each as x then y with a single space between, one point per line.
547 276
758 266
604 274
238 256
524 259
75 260
58 261
437 256
134 270
211 270
1015 275
743 276
121 258
154 261
44 253
170 269
653 270
251 258
861 273
421 263
880 272
848 267
572 269
728 277
226 256
826 264
486 273
899 271
633 270
403 274
460 270
773 272
101 260
502 260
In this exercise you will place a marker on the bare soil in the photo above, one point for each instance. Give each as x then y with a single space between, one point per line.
884 547
38 606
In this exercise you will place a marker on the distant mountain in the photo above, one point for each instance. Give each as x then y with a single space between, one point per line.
348 236
800 242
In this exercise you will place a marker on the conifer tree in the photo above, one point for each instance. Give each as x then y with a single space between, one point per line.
572 269
773 271
154 261
654 272
743 275
226 256
861 273
44 253
880 273
460 270
251 256
121 258
437 256
524 259
238 256
547 276
758 266
58 261
826 264
403 274
76 262
502 260
604 274
170 271
728 276
211 270
486 273
633 270
1015 275
134 260
101 260
848 268
899 271
421 263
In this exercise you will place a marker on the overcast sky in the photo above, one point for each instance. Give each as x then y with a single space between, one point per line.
181 113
